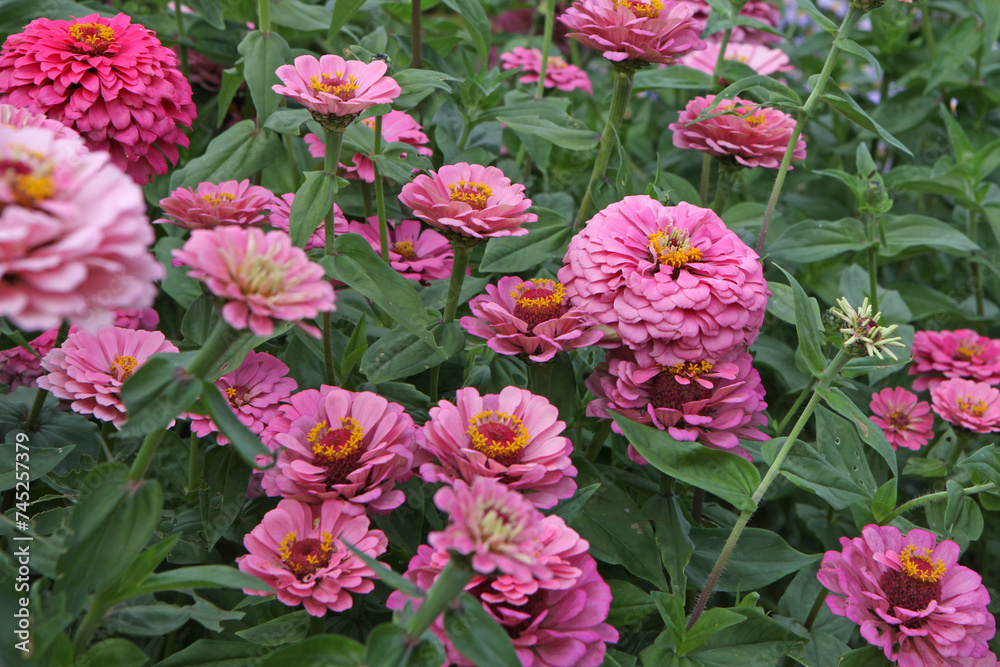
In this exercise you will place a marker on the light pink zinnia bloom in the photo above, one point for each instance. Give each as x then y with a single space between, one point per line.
558 73
75 233
90 368
137 318
281 212
673 275
228 203
336 443
529 317
110 80
905 422
761 59
416 252
20 368
911 598
396 126
299 551
634 29
262 277
469 200
761 10
17 118
752 136
969 404
939 355
513 435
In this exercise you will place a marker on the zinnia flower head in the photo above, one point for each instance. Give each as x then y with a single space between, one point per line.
17 118
905 421
137 318
262 277
761 59
939 355
110 80
760 10
299 551
530 317
228 203
969 404
911 598
416 252
336 90
469 200
673 275
281 213
747 134
513 435
20 368
558 73
864 336
89 368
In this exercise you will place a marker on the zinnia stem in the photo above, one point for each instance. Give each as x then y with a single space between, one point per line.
383 230
331 165
192 464
213 351
458 268
873 278
328 349
264 13
933 498
853 14
728 173
928 28
416 35
448 586
35 413
550 10
977 280
145 456
181 46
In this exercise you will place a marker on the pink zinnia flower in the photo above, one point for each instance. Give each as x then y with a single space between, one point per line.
750 135
336 90
469 200
17 118
673 275
969 404
761 10
911 598
262 277
529 317
228 203
110 80
905 422
939 355
281 212
20 368
634 29
75 233
416 252
336 443
90 368
396 126
299 551
558 73
513 435
759 58
137 318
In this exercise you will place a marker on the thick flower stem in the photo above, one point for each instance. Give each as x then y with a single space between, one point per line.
145 456
35 413
873 278
597 440
331 165
462 250
977 280
728 173
416 35
331 377
181 46
550 10
850 19
264 14
383 230
539 377
448 586
928 28
213 351
933 498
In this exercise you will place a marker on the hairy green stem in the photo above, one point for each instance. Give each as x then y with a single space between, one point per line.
799 400
91 621
873 278
145 456
933 498
331 165
213 351
416 35
383 230
446 588
458 268
366 199
550 10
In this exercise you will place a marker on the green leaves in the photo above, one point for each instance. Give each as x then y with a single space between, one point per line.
262 55
477 635
869 432
219 409
235 154
846 105
761 558
156 393
547 238
477 23
809 326
311 205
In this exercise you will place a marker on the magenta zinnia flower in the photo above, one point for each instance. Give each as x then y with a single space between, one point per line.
673 275
558 73
969 404
416 252
110 80
911 597
469 200
750 135
905 422
90 368
529 317
137 318
20 368
228 203
759 58
281 212
299 551
513 435
341 444
939 355
262 277
761 10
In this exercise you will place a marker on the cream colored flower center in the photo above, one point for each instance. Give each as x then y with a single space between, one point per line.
498 435
649 10
673 247
335 84
265 276
976 408
472 193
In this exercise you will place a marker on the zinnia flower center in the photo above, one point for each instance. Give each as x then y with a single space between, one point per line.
265 277
968 350
335 84
238 395
405 250
29 179
123 367
974 407
647 10
305 557
555 62
473 194
541 302
917 585
95 37
899 420
219 198
668 392
499 436
337 450
673 247
755 120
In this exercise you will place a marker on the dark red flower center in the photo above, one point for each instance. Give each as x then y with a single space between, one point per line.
916 585
405 251
539 301
305 557
337 450
238 395
91 38
898 420
498 435
666 392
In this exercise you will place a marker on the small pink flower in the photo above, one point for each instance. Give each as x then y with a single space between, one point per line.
20 368
969 404
761 59
262 277
752 136
529 317
469 200
905 422
939 355
558 73
416 252
281 212
137 318
513 435
299 551
90 368
760 10
911 598
228 203
17 118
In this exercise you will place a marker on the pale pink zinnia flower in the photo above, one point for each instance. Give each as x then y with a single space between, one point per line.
334 443
558 73
299 551
939 355
75 233
90 368
110 80
228 203
634 29
759 58
137 318
911 598
469 200
281 212
15 117
761 10
671 275
529 317
967 403
905 421
262 277
513 435
416 252
751 135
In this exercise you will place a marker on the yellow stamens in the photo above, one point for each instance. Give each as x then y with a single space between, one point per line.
498 435
649 10
557 296
920 566
473 194
29 189
217 199
756 120
975 408
555 62
335 85
91 33
370 122
126 364
673 247
332 449
969 350
405 250
690 369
